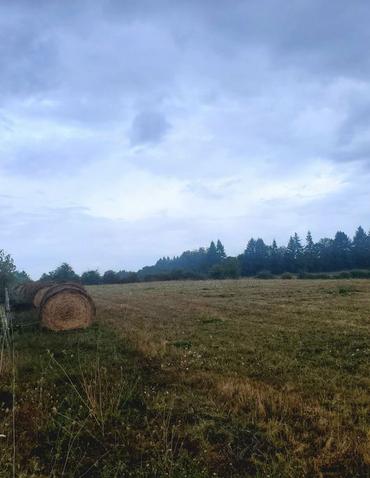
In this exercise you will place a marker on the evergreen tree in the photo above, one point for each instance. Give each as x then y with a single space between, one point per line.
247 259
294 254
361 249
275 261
289 259
341 251
310 254
325 255
212 255
220 250
261 255
310 245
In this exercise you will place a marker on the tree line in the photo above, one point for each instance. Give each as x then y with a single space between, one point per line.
348 257
303 258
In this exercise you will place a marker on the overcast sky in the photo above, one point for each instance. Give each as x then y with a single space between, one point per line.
133 129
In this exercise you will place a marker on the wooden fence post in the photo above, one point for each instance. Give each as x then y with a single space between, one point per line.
4 311
7 302
4 321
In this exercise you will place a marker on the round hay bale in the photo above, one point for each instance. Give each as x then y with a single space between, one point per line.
42 290
15 293
22 294
66 307
28 290
39 296
75 285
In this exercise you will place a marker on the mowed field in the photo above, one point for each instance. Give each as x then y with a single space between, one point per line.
188 379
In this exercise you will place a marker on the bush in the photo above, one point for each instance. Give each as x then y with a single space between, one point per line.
322 276
360 274
287 275
264 275
354 274
91 278
227 269
308 275
303 275
343 275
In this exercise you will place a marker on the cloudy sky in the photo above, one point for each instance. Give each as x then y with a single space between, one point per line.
133 129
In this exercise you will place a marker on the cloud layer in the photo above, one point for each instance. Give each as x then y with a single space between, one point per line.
129 130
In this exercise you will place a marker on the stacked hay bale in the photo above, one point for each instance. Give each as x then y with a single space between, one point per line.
39 295
62 306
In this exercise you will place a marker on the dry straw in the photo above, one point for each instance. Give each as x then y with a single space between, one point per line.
66 307
39 296
23 294
43 288
61 306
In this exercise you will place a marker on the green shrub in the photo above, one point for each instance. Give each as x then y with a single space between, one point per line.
265 275
345 290
354 274
322 276
287 275
309 275
343 275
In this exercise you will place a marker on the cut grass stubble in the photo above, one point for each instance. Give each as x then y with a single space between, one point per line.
250 378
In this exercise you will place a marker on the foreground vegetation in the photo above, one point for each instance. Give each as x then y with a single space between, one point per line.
212 378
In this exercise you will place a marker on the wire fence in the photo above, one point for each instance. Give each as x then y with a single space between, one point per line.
7 348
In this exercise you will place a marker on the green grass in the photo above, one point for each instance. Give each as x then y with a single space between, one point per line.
190 379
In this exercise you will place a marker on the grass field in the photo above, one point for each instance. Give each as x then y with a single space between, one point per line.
191 379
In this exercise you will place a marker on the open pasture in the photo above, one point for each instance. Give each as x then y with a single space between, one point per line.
210 378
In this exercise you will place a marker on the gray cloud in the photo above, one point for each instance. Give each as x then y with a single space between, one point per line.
260 98
148 127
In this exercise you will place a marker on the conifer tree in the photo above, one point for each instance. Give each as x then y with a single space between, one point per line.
212 255
361 249
309 253
341 251
220 250
275 261
289 259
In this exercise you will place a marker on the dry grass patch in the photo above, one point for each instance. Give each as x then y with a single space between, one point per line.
325 438
289 357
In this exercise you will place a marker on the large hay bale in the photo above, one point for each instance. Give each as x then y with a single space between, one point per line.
16 294
39 295
28 291
23 294
66 307
61 306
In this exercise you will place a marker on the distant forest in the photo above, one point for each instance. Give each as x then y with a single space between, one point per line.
341 256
